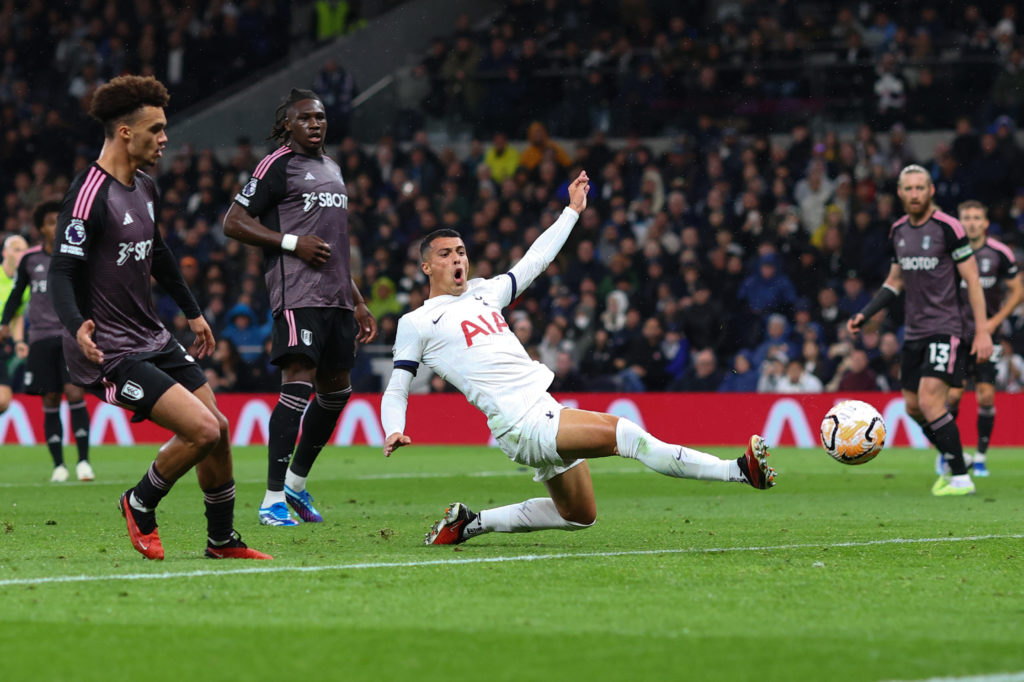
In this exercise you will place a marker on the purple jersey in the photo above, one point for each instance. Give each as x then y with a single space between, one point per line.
42 318
111 227
302 195
996 265
927 254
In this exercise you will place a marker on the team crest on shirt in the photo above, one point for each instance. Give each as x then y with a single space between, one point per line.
986 265
74 234
307 337
250 188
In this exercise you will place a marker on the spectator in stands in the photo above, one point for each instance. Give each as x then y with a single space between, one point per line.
742 378
567 379
703 375
767 290
796 379
246 333
337 88
230 373
459 71
854 374
501 158
539 147
643 365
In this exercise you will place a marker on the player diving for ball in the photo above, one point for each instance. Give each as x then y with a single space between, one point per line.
461 335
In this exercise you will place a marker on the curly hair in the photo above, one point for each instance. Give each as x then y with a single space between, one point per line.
120 99
279 131
39 214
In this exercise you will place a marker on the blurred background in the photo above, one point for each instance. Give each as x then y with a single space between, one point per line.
743 158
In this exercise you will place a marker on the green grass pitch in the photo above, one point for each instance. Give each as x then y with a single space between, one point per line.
838 573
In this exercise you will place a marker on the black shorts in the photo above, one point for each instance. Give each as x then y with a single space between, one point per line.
327 336
983 372
46 371
941 356
138 381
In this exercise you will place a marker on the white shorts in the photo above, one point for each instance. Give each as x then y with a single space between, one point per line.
532 441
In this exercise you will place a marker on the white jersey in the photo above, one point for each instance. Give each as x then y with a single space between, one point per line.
467 341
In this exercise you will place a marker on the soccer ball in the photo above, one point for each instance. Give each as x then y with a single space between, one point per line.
853 432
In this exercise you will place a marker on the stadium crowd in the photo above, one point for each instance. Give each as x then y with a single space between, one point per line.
719 251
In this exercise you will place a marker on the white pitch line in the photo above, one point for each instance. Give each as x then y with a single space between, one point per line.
486 560
994 677
358 477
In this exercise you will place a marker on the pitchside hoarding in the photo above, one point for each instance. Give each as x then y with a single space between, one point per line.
446 418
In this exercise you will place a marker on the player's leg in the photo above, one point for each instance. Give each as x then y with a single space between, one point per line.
53 431
584 434
570 506
986 393
931 395
334 344
297 374
80 429
196 432
217 481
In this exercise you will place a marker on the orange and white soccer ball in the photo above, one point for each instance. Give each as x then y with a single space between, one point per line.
853 432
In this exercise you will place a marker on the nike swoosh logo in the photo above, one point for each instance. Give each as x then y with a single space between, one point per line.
439 317
142 545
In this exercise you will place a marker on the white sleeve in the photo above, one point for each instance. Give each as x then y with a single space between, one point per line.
407 353
394 402
542 252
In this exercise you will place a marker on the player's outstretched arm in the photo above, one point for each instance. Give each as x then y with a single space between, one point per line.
888 293
238 224
547 246
393 405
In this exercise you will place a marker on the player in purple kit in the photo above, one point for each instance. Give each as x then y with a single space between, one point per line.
107 248
930 256
296 208
1001 282
47 373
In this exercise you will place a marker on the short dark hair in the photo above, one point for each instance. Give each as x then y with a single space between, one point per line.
121 98
39 214
436 234
279 131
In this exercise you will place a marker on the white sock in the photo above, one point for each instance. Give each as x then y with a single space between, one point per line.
272 497
135 504
979 457
294 481
538 513
672 460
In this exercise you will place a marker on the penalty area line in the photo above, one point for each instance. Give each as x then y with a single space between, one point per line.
264 569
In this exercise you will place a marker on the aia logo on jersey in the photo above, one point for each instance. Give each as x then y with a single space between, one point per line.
470 328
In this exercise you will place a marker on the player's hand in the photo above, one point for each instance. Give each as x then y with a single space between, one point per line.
578 189
313 250
982 346
89 348
854 323
204 343
367 331
21 349
5 332
395 441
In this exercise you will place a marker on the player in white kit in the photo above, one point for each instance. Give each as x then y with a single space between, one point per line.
461 335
